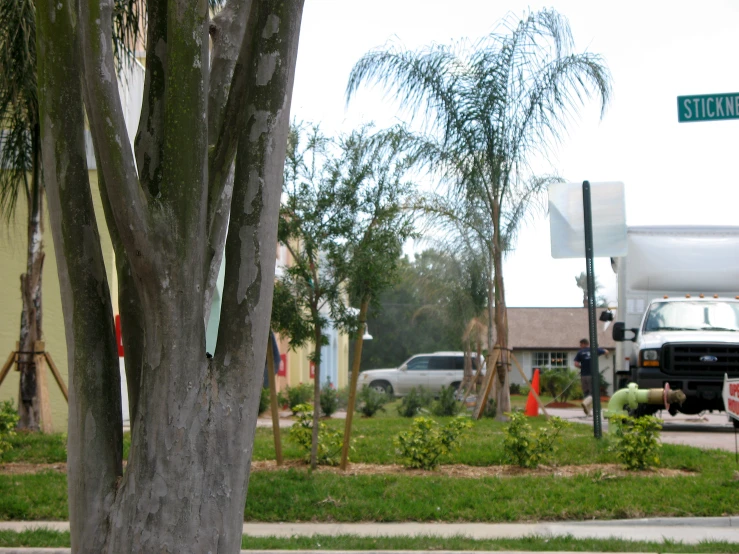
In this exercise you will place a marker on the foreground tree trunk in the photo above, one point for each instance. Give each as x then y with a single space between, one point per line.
95 426
31 315
194 417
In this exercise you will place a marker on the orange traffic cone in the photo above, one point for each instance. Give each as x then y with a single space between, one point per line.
532 407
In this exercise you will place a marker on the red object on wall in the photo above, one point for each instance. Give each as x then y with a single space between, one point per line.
282 370
312 370
118 336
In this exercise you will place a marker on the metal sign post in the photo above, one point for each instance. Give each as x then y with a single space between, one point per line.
592 321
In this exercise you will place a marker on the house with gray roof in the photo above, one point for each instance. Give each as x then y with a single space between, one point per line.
550 337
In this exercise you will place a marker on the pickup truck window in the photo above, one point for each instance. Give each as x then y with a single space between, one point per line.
692 316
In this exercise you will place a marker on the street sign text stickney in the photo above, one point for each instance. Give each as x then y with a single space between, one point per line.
708 107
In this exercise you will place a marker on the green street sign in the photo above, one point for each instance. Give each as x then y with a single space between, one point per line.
707 107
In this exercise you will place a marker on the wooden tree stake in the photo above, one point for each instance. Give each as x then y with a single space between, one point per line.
273 400
353 380
57 376
42 390
6 368
482 396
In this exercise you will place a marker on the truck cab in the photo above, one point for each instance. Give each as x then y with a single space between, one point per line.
688 342
678 311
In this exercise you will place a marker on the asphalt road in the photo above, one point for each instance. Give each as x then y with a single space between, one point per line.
707 430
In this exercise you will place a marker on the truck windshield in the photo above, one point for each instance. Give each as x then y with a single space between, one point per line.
692 316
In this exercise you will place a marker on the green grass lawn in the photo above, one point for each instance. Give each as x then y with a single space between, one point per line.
299 495
41 538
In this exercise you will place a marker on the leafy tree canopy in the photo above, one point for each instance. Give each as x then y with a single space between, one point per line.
427 310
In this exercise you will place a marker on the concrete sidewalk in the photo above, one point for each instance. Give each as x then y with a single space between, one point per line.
687 530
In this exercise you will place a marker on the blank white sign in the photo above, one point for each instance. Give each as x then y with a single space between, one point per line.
567 223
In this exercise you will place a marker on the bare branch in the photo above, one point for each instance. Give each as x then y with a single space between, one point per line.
107 124
227 102
150 133
252 235
227 31
95 426
183 194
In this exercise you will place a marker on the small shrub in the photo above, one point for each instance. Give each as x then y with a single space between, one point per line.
417 399
527 448
515 388
524 390
636 440
491 408
342 395
330 441
295 396
329 400
447 403
422 446
8 421
370 401
264 401
559 382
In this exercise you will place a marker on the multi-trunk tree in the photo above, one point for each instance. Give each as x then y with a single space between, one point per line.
205 174
491 108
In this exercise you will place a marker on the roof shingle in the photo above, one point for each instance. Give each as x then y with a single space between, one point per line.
553 328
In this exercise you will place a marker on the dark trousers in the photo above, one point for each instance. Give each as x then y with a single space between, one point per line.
587 385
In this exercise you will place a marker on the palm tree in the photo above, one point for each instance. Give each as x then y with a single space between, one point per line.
489 109
582 283
20 162
20 175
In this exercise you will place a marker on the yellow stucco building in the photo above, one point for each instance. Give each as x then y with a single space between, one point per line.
12 264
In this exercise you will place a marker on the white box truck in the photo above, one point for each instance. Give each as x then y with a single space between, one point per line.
678 306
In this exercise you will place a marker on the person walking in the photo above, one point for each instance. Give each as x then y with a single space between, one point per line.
582 361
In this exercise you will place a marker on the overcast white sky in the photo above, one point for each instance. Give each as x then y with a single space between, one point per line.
674 173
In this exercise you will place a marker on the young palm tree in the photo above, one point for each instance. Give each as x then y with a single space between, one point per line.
489 109
20 162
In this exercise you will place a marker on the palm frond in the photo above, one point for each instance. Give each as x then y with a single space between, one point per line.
18 100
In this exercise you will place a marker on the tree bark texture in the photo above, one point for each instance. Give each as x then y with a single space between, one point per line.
503 399
31 314
95 425
193 417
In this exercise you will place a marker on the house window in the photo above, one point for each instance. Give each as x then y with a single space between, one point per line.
550 359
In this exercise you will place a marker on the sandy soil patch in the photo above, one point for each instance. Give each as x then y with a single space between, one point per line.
599 471
17 468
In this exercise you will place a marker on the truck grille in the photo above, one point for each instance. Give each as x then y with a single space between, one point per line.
717 359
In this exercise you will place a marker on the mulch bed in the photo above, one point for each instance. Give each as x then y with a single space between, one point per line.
598 471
